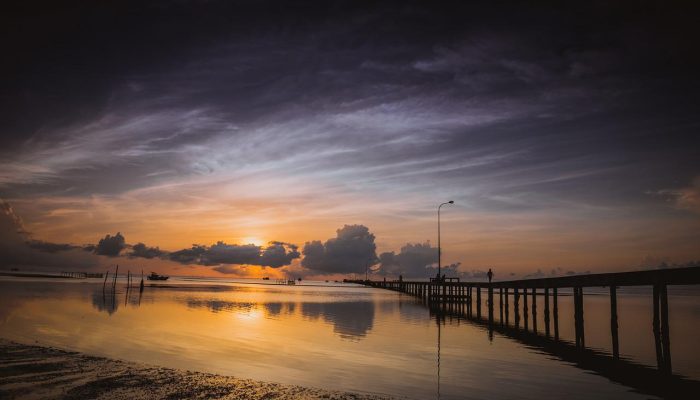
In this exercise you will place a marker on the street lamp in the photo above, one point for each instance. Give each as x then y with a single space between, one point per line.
439 250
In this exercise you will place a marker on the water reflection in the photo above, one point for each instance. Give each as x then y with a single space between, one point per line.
642 378
363 339
216 306
109 301
351 320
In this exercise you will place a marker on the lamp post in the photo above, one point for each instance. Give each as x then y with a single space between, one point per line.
439 249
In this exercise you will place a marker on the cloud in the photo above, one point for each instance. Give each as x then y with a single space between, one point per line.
49 247
111 246
351 251
188 256
143 251
20 251
221 254
413 261
689 198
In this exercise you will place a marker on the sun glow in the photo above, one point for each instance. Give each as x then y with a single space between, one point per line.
253 240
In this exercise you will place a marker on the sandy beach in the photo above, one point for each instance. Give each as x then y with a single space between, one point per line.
36 372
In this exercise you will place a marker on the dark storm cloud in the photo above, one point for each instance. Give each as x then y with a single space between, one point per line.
351 251
413 261
111 246
143 251
419 260
188 256
275 255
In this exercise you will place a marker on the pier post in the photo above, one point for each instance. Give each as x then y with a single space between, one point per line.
656 325
556 313
500 303
526 314
665 338
471 303
578 314
546 311
490 293
577 328
478 302
613 322
507 306
534 310
516 307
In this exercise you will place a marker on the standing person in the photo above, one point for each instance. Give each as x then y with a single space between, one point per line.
490 275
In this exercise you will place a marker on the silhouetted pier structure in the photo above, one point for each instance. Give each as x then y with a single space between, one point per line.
80 275
451 296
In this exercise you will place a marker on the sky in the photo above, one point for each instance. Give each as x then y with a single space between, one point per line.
317 139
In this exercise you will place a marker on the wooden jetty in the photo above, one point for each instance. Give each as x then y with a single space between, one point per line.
80 275
464 298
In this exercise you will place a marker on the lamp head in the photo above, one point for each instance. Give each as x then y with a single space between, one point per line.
451 202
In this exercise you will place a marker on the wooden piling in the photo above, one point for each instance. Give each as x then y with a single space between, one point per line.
506 295
555 310
613 322
516 307
478 302
114 282
534 310
490 294
656 325
546 311
500 303
526 315
104 284
665 334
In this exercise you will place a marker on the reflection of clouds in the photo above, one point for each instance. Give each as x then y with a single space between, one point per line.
410 311
351 320
273 308
220 305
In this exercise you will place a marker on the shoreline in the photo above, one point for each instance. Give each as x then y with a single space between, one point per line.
33 371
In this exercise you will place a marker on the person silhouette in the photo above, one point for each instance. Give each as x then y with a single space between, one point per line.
490 275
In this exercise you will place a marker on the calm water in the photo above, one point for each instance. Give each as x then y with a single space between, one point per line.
343 337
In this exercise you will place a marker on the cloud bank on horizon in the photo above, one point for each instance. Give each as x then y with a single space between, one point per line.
567 136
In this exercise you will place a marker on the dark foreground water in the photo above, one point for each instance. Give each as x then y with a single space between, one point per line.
340 337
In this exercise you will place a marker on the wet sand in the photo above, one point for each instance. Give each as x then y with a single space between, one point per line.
36 372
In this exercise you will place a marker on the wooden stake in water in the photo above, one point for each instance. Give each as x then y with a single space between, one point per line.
105 282
141 289
114 282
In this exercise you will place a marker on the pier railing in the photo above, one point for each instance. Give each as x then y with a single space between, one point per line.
465 298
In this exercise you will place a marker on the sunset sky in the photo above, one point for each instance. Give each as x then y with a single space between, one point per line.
568 138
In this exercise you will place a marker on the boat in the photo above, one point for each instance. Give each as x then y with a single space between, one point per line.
155 277
266 278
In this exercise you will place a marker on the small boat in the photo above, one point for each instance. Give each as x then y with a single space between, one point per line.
155 277
266 278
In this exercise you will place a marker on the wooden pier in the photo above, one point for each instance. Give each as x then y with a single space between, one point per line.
80 275
464 299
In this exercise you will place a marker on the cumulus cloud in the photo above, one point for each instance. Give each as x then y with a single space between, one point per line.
275 255
111 246
352 251
413 261
143 251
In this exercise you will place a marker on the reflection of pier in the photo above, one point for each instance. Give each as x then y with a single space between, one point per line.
463 299
637 376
